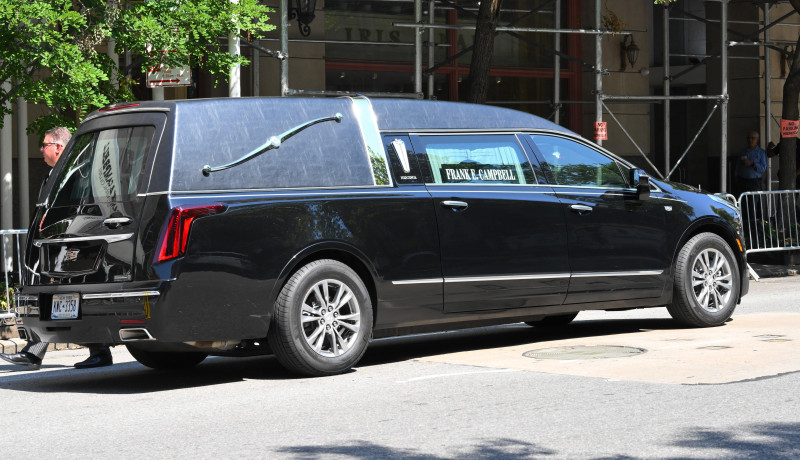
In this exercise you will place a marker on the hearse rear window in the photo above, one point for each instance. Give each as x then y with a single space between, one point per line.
478 159
327 154
104 166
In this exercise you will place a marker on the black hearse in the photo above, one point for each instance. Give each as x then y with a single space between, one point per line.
308 227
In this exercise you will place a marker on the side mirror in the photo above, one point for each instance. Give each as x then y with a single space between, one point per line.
641 181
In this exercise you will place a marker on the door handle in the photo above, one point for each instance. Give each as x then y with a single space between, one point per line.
455 205
116 222
580 209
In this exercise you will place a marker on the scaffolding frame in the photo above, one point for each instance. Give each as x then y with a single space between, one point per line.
760 38
601 100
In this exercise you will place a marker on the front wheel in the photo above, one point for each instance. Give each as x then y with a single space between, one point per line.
322 321
707 282
165 360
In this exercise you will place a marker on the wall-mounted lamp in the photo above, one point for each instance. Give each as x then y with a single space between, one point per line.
628 52
304 13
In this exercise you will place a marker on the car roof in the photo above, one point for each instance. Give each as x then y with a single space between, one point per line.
392 114
409 115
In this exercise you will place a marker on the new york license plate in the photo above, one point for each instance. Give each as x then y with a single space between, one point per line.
65 306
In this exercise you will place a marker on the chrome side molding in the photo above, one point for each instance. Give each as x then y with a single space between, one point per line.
76 239
121 294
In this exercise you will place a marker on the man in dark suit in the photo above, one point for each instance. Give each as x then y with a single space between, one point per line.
33 353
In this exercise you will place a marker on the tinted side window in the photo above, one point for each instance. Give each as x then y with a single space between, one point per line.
575 164
104 166
479 159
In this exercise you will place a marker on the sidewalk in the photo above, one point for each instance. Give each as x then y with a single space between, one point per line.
762 270
775 271
10 346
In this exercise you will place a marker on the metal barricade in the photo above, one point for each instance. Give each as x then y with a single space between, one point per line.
13 244
770 220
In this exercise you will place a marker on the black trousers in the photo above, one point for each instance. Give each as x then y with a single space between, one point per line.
39 349
749 185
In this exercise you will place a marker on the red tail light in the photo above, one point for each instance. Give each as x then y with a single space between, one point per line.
176 234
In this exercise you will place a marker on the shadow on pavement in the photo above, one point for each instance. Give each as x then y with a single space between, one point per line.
397 349
772 440
133 378
499 448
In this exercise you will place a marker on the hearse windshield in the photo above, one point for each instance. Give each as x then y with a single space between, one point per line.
103 166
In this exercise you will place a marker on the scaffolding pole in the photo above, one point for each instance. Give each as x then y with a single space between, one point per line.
418 46
723 154
598 67
557 66
767 92
431 48
667 89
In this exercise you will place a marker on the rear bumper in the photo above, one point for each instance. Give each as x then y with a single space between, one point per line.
163 312
102 317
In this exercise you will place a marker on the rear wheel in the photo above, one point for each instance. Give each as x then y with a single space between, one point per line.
553 322
166 359
323 319
707 282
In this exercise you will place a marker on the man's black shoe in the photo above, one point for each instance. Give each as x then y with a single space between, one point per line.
23 359
98 360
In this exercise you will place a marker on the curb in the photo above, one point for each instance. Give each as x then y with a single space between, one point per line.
775 271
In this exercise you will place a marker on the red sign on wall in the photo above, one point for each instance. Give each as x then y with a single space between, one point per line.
789 128
600 131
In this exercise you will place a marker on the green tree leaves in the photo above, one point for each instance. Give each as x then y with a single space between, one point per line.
49 48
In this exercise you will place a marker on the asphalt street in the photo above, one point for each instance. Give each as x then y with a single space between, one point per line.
727 392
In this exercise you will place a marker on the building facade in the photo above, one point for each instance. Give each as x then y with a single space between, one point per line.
549 60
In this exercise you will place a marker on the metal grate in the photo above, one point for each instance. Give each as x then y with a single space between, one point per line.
584 352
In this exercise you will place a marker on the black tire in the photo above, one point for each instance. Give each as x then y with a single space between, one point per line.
553 322
315 337
164 360
706 283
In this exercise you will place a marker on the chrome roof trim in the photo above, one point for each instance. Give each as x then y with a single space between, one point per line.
132 109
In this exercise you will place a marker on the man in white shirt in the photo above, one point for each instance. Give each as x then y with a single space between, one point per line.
33 353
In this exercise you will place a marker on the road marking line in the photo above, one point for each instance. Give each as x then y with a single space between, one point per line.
436 376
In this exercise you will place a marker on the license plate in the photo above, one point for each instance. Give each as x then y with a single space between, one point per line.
65 306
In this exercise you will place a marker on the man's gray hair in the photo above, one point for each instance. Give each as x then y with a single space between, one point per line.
59 134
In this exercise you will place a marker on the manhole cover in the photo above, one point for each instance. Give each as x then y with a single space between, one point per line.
584 352
769 336
777 340
713 347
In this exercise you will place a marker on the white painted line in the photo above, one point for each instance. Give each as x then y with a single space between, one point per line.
436 376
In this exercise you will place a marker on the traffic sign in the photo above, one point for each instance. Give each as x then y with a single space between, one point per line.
169 76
